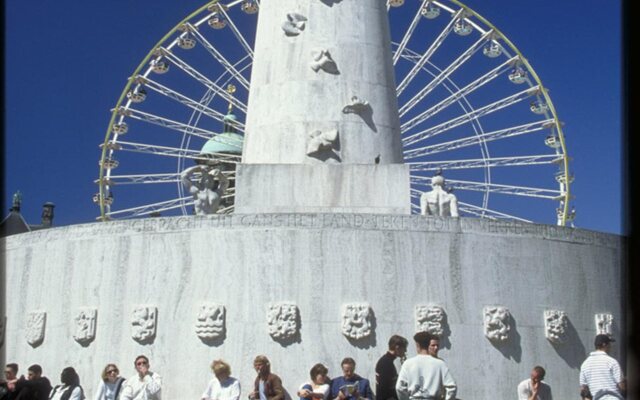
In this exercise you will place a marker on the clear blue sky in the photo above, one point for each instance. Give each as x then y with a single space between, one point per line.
66 63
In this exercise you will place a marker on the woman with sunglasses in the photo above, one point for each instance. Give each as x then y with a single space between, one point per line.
110 385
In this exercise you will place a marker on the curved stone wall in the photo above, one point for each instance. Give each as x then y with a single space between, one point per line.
307 288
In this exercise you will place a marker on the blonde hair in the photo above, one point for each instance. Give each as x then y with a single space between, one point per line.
220 366
104 374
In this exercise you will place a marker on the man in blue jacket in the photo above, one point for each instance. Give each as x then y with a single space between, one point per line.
350 386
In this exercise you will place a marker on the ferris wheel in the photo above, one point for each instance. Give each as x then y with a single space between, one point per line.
471 109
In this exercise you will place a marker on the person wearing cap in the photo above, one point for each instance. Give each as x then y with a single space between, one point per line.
601 377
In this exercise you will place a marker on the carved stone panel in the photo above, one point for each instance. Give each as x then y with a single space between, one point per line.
497 323
210 322
604 324
556 325
143 323
430 318
322 143
36 322
282 320
85 326
356 106
321 60
356 320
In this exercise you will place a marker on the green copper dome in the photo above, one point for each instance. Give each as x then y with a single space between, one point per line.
229 141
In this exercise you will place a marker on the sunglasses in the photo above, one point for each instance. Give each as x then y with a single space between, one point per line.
142 363
113 371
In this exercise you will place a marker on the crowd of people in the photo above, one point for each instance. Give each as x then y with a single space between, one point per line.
422 377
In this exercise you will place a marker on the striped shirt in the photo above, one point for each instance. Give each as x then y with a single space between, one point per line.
601 373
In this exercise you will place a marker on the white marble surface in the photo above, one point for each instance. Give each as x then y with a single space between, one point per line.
289 100
319 262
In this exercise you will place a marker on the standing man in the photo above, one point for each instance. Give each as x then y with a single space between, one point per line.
600 374
145 385
350 386
534 388
267 386
425 376
386 372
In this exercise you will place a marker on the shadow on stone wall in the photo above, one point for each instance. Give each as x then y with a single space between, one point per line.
215 342
511 348
572 351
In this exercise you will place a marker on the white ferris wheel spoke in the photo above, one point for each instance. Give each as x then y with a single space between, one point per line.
237 33
408 34
408 106
219 58
168 123
487 212
176 152
426 56
474 140
193 104
455 97
216 89
512 190
514 161
488 109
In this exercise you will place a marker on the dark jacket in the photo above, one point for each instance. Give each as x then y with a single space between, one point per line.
34 389
272 387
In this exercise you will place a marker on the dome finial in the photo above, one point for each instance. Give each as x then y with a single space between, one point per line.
231 89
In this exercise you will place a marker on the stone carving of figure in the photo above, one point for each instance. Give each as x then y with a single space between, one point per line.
356 106
210 323
556 324
294 25
356 320
321 60
497 323
143 323
604 324
430 319
321 141
36 322
85 325
207 189
438 202
282 320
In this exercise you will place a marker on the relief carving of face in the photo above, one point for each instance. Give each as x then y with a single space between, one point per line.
497 323
556 325
430 319
210 323
143 323
282 320
356 321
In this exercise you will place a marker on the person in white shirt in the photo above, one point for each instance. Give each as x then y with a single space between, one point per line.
70 388
145 385
425 376
534 388
110 385
223 386
317 388
601 377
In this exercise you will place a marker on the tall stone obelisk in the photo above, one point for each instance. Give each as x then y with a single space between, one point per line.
322 130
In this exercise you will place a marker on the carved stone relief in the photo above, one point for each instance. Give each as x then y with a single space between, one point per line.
356 106
356 320
322 60
143 323
497 323
604 324
430 318
282 320
36 322
210 322
556 324
294 25
85 321
322 142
